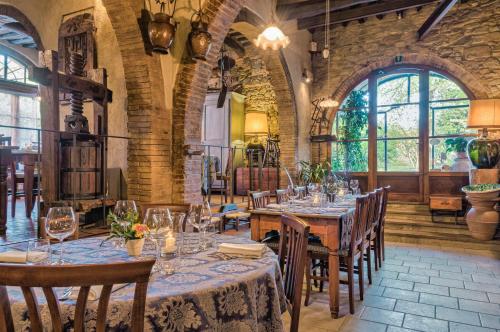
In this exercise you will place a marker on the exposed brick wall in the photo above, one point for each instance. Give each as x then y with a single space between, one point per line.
149 148
465 44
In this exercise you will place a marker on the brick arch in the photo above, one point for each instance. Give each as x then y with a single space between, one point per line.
13 12
468 81
189 95
149 170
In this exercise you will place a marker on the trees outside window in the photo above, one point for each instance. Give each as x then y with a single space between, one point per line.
399 111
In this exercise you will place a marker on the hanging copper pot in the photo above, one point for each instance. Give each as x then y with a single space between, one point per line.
161 32
199 38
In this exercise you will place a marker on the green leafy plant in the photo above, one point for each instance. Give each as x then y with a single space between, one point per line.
457 144
313 172
133 230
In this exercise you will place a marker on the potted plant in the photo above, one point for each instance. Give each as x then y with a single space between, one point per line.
482 218
459 146
313 172
130 229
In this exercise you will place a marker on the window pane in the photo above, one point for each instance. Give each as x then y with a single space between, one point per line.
15 71
398 122
2 66
441 88
29 117
350 156
448 118
439 156
397 89
5 113
397 155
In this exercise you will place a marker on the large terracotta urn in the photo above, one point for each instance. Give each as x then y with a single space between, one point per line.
482 219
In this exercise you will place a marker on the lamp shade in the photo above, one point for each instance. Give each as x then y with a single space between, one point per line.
484 113
256 123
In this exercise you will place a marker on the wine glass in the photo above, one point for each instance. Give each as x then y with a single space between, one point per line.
60 224
157 220
191 236
204 221
354 184
122 208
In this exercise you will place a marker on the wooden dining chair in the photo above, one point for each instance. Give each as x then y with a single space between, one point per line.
259 199
29 277
349 256
282 196
292 258
373 239
383 212
368 225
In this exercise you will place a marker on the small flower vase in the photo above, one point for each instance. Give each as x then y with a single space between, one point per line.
134 247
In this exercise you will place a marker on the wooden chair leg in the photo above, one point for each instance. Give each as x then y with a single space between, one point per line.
375 253
369 264
379 250
308 280
322 273
237 224
350 284
382 237
360 277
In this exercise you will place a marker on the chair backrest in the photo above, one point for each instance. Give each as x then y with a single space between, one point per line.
358 225
292 258
259 199
5 141
379 193
281 195
383 205
301 192
372 207
29 277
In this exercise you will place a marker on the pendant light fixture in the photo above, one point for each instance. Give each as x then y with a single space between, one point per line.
272 37
199 39
328 102
161 30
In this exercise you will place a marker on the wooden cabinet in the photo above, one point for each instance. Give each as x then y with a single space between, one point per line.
242 180
449 203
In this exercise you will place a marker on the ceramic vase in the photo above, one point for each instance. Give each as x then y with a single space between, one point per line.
482 218
134 247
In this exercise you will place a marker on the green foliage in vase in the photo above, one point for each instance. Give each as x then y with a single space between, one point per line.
481 187
313 172
134 229
352 126
457 144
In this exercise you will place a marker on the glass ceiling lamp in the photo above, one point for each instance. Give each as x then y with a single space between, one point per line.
272 37
328 102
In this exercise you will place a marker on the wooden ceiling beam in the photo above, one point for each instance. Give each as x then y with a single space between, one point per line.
437 15
313 8
381 8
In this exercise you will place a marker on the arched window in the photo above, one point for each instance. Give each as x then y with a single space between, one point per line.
399 112
19 104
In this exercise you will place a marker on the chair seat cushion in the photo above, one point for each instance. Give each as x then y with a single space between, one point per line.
236 215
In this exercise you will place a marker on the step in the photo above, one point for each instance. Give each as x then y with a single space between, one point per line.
462 241
425 218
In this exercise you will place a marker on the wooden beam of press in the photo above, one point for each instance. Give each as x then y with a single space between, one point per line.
68 83
361 12
313 8
437 15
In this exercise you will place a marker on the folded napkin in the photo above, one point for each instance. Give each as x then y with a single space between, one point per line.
94 292
249 250
274 206
16 256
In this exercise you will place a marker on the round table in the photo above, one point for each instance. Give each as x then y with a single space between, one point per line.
204 294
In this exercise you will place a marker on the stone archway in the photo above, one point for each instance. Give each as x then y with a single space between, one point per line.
189 96
13 12
468 81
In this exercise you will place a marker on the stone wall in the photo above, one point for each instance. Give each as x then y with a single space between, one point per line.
465 44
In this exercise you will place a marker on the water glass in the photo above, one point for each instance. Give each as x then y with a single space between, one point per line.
60 224
39 252
205 222
191 235
158 228
354 184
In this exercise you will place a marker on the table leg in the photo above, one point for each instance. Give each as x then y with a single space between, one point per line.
29 180
3 199
333 284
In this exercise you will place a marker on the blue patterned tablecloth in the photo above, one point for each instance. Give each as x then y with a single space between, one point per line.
205 294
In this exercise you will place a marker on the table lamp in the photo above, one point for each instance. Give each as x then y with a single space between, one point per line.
256 125
484 152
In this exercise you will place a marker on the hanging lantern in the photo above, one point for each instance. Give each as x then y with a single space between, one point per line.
328 102
272 37
199 38
161 30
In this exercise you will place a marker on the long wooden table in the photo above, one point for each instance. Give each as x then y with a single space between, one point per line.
327 227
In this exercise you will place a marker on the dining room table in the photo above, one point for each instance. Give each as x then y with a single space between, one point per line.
332 223
205 293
